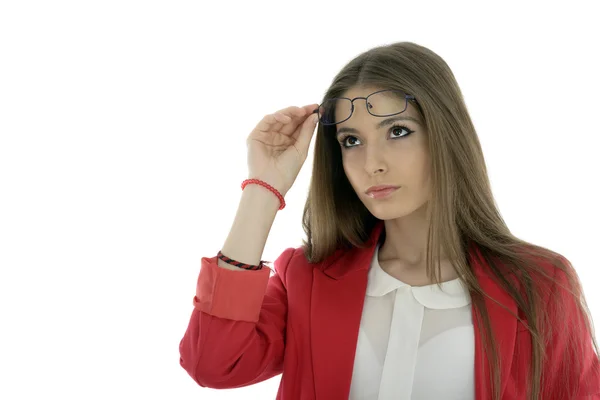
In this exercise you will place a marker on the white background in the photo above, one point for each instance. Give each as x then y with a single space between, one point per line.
123 127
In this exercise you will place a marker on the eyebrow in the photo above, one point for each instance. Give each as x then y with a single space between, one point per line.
385 122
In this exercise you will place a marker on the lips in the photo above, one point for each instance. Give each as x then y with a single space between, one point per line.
381 193
380 188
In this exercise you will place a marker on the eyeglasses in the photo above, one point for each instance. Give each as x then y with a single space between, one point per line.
382 103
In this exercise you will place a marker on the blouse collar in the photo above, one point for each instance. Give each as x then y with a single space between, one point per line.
452 294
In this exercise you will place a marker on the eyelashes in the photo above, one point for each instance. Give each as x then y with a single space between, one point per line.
342 139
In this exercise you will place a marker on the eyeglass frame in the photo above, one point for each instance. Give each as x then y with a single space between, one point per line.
407 97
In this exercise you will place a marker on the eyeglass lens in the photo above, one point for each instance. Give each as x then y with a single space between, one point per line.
380 104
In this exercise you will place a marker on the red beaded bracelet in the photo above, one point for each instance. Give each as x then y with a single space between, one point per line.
239 264
271 188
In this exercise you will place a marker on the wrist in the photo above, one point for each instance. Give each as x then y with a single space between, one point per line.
265 185
258 195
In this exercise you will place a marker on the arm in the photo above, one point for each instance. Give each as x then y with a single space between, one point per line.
236 335
251 226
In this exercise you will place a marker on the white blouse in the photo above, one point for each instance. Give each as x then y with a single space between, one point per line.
414 342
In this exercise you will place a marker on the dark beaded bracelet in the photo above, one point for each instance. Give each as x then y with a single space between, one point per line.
239 264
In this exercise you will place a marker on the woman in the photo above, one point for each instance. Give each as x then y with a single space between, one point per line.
414 291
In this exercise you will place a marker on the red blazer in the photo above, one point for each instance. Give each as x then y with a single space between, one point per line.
303 321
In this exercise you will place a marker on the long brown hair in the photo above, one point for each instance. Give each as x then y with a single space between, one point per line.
462 209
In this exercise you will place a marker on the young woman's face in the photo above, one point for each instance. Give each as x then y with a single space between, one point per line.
385 151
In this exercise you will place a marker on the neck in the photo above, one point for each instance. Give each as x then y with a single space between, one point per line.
406 239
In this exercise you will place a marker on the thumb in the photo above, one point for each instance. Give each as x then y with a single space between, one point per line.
306 133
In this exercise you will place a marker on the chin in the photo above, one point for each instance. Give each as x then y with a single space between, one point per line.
394 210
386 212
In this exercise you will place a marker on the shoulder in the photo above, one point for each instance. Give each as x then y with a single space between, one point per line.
291 261
545 280
293 264
558 272
557 282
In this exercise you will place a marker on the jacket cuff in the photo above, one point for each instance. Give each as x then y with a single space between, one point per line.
235 295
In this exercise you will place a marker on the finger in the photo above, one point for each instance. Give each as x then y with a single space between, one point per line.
305 134
302 113
282 121
310 108
292 111
297 116
269 122
283 118
292 125
287 119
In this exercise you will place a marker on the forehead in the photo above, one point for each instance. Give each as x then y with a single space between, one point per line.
361 91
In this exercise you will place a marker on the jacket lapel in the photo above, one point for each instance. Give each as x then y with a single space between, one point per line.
338 294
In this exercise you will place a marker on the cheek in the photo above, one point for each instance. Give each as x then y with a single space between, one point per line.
351 171
348 169
417 161
424 173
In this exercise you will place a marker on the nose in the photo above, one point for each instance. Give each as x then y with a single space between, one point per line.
374 162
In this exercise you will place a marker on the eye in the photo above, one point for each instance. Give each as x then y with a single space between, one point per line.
399 129
344 143
395 131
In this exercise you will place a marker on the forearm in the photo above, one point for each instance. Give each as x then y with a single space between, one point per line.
250 229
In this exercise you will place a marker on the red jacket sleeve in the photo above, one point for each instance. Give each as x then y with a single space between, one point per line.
572 367
236 334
